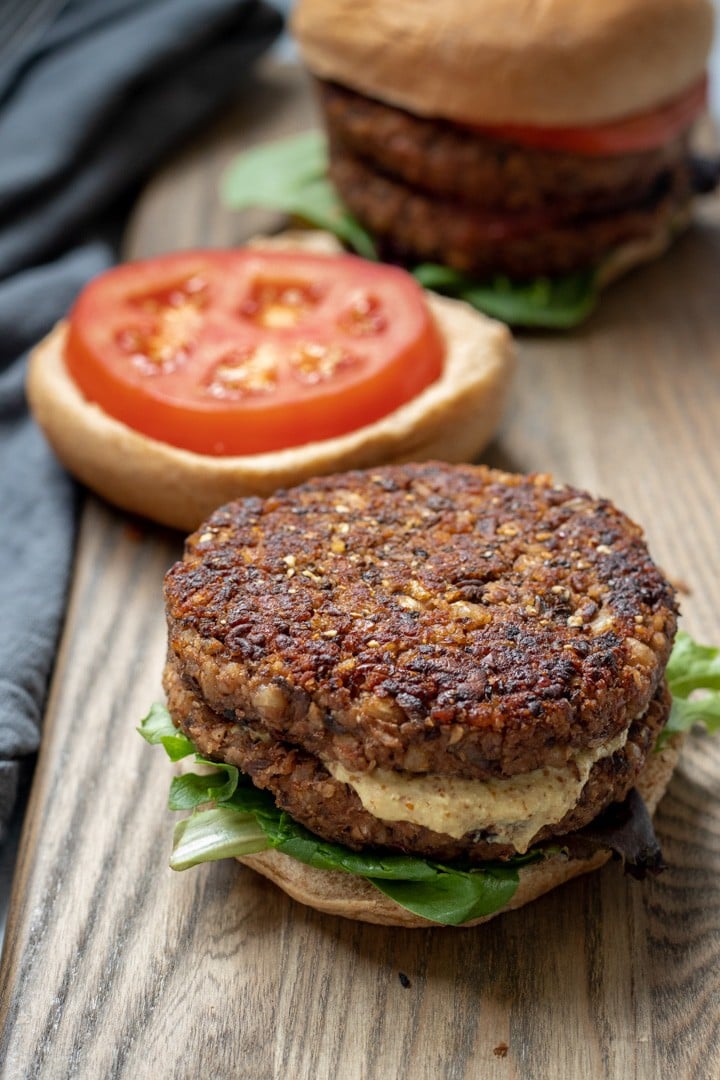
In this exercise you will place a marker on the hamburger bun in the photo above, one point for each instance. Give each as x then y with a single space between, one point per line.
453 419
559 63
336 893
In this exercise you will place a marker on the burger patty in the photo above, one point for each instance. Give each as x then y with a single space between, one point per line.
414 226
458 163
303 787
427 618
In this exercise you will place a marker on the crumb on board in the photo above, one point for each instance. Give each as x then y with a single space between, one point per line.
501 1050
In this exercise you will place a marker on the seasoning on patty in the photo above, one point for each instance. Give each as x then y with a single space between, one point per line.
442 660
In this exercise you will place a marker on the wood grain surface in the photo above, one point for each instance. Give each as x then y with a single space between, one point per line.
114 966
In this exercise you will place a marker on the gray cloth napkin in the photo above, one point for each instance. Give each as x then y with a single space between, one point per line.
93 93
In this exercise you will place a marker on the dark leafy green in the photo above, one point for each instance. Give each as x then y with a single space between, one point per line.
627 830
290 175
551 303
453 898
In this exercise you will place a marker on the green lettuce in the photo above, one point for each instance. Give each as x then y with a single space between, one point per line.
290 176
550 303
158 729
693 675
232 817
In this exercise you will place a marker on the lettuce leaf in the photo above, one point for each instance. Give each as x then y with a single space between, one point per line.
215 834
550 303
193 789
157 728
453 898
693 675
290 175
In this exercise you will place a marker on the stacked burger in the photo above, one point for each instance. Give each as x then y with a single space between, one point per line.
533 139
446 665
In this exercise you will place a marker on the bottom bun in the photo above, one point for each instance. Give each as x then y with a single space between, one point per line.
338 893
452 420
643 250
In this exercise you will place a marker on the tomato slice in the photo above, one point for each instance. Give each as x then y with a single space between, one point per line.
644 131
246 351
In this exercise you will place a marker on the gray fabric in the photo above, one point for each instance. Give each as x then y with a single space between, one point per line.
98 93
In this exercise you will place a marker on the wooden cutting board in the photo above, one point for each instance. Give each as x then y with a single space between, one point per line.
115 966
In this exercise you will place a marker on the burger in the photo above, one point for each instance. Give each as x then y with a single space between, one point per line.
504 144
426 692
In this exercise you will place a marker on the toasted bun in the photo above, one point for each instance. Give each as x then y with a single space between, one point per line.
555 63
337 893
452 419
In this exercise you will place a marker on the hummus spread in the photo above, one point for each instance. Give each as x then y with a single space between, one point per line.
507 811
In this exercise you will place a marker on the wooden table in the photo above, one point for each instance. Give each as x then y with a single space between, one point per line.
115 966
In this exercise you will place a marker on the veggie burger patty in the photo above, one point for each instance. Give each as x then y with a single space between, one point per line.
433 189
446 660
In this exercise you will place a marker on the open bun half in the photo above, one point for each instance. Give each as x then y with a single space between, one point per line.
453 419
556 63
338 893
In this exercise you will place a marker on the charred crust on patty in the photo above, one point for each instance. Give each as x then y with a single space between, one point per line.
425 618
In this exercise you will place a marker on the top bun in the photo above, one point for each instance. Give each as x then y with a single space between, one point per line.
541 62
